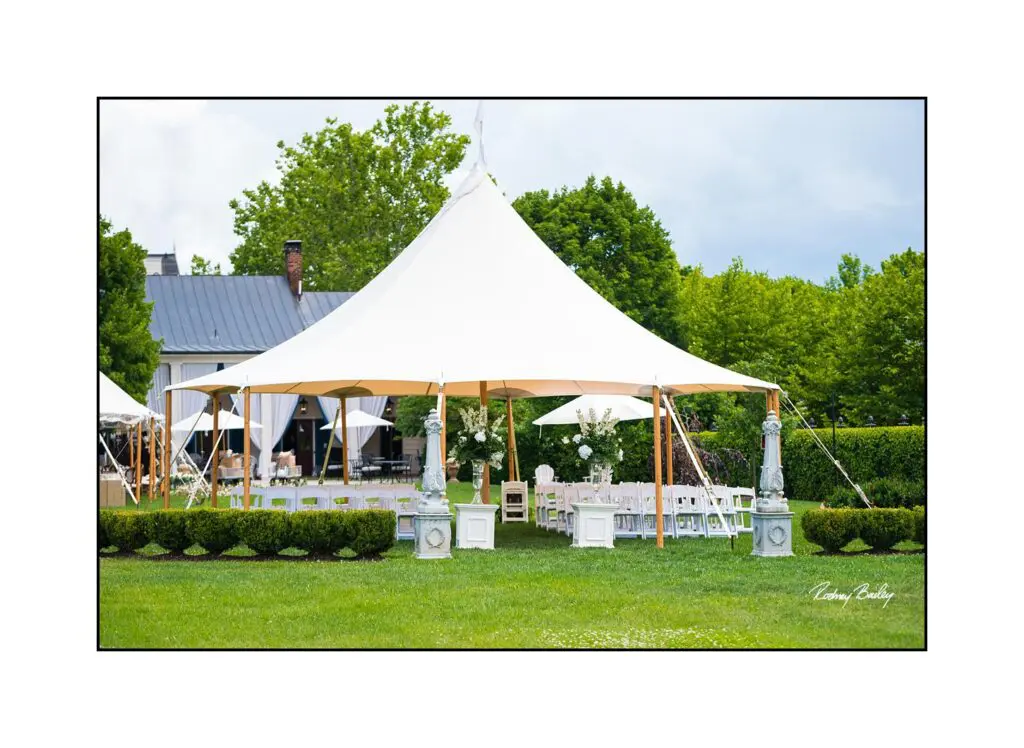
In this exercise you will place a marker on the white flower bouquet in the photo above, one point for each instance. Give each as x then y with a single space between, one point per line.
478 439
597 442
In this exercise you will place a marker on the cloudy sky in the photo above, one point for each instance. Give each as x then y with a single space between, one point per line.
787 185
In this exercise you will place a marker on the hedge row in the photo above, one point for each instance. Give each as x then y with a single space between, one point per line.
865 453
890 493
880 529
366 532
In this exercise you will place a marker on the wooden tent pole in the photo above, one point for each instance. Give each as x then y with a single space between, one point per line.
131 450
216 452
668 441
485 491
512 475
343 405
167 450
152 458
444 435
245 454
138 465
659 520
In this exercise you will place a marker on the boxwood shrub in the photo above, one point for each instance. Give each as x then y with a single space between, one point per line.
883 528
214 529
370 531
320 532
919 525
886 493
832 529
129 531
167 529
101 525
265 531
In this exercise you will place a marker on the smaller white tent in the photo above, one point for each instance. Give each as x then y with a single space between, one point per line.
203 421
356 419
623 407
117 406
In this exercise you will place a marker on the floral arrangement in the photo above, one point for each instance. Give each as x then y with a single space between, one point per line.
597 442
479 440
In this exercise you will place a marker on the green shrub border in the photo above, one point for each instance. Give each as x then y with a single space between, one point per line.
880 529
368 533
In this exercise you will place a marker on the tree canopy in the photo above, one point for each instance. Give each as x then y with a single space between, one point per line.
354 198
202 266
619 248
127 352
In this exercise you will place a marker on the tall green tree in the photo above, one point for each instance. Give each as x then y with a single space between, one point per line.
618 247
202 266
354 198
128 353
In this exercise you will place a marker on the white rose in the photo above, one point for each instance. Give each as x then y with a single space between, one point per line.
565 440
462 439
576 439
496 457
480 437
585 452
620 455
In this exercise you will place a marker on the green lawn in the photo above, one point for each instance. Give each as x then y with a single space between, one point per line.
532 591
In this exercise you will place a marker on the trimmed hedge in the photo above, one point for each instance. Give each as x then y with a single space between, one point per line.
129 531
168 530
214 529
265 531
886 493
320 532
832 529
372 531
865 453
880 529
367 532
883 528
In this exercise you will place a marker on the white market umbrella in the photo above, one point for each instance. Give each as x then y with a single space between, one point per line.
356 419
203 421
117 406
468 267
623 407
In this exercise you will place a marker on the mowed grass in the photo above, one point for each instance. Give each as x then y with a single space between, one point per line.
534 590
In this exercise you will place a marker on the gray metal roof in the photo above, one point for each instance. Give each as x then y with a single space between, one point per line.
231 313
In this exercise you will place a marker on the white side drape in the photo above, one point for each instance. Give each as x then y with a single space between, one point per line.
238 401
373 406
284 409
155 396
190 401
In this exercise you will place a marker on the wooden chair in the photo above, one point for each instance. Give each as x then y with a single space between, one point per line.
515 501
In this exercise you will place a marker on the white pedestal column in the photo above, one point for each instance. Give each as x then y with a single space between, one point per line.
432 523
771 520
474 525
595 525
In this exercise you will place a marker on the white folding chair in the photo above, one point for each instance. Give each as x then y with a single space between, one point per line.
740 495
629 518
319 494
515 501
723 498
343 497
406 499
283 494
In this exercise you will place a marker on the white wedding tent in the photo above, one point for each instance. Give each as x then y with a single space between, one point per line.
622 407
476 269
117 406
358 419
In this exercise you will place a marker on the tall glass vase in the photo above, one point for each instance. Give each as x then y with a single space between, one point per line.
478 480
601 478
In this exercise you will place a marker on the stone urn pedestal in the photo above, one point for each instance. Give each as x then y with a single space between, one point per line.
771 520
595 525
432 523
474 525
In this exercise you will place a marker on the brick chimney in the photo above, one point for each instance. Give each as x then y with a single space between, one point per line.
293 266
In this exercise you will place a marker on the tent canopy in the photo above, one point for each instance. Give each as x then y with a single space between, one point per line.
355 419
475 270
117 406
203 421
623 407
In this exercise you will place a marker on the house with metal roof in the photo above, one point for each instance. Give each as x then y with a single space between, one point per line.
209 322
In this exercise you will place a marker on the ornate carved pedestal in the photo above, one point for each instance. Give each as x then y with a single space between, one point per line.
773 533
595 525
432 523
474 525
771 519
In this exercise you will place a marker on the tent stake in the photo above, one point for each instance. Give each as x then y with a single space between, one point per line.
659 520
216 452
245 455
485 490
